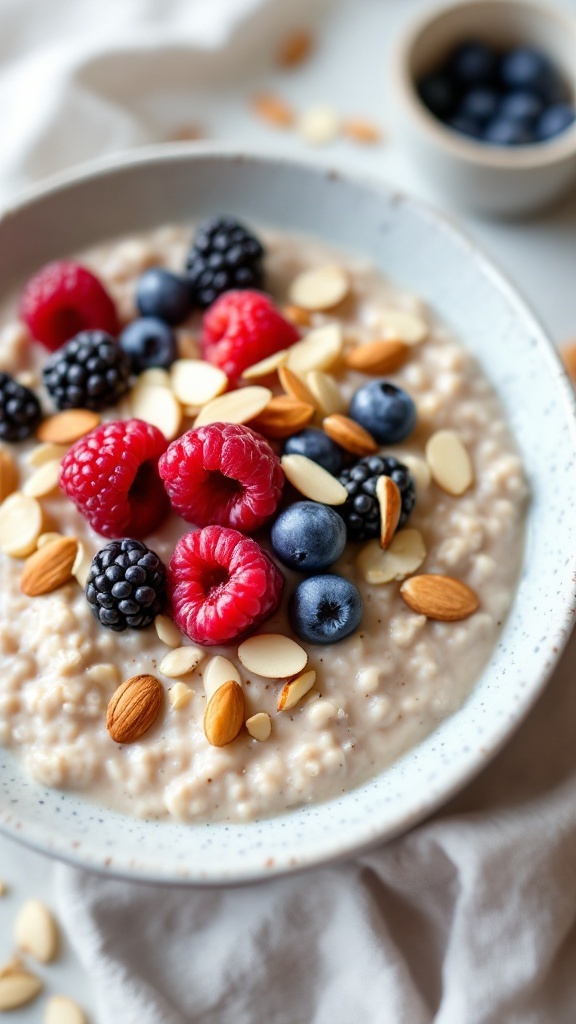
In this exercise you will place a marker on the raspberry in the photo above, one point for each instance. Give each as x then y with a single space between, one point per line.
222 473
241 328
222 585
63 299
111 475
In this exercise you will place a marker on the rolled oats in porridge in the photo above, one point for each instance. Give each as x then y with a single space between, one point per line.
311 599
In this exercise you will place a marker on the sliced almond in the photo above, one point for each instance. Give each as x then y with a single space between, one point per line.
402 557
349 435
293 691
295 49
62 1010
568 355
47 452
266 366
196 382
439 597
168 631
403 326
294 386
359 130
312 480
377 357
390 502
319 125
155 375
35 931
319 350
181 661
8 474
21 523
156 404
180 695
272 655
18 988
235 406
419 470
133 708
49 568
449 462
217 672
44 480
224 716
327 393
3 887
259 726
273 109
320 288
67 427
297 316
82 565
282 417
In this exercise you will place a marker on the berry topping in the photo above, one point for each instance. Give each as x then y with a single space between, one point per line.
90 372
361 511
222 473
316 445
222 585
242 328
224 255
63 299
385 411
20 411
308 536
111 475
126 585
148 342
325 609
161 294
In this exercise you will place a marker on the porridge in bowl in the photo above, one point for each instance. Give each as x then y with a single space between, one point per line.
308 559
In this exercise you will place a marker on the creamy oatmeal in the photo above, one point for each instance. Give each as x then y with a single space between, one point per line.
375 694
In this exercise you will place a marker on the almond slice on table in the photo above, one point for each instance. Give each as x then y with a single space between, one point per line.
320 288
401 325
273 109
21 523
180 695
35 931
181 661
266 366
196 382
272 655
224 715
319 125
404 555
297 316
259 726
157 405
293 691
439 597
17 988
294 386
168 631
312 480
318 350
449 462
46 452
49 568
327 394
295 49
68 426
217 672
8 474
133 708
359 130
282 417
44 480
62 1010
349 435
377 357
390 502
235 406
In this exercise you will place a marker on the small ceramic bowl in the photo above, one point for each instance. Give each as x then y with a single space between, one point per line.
494 179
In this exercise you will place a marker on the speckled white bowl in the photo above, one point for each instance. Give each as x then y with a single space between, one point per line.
421 252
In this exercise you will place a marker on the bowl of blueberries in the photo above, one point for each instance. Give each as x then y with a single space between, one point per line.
488 96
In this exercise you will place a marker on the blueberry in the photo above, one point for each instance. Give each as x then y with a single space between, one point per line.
556 119
479 104
316 445
308 536
522 106
161 294
473 63
385 411
324 609
148 342
466 126
505 132
528 68
438 94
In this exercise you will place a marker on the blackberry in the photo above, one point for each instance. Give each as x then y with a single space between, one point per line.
224 255
90 372
361 511
126 585
20 411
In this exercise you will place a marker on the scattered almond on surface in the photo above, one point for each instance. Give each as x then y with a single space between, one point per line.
17 988
68 426
259 726
167 631
266 366
133 708
273 109
320 288
568 355
294 386
62 1010
82 565
312 480
35 931
217 672
8 474
449 462
360 130
319 124
157 405
295 49
181 661
293 691
297 316
235 406
318 350
282 417
272 655
49 567
21 523
180 695
400 325
390 502
439 597
196 382
224 716
349 435
377 357
46 452
404 555
326 390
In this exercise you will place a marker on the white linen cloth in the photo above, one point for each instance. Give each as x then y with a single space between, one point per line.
469 919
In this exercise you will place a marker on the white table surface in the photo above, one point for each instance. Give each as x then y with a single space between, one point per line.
349 71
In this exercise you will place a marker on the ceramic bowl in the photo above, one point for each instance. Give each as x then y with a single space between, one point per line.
494 179
425 254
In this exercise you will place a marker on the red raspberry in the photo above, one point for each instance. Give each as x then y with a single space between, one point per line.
222 473
111 475
222 585
241 328
63 299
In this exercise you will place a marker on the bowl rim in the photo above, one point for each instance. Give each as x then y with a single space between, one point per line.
552 152
50 843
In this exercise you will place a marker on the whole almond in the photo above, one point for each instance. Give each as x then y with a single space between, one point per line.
35 931
8 474
18 988
390 502
224 716
133 708
349 435
377 357
50 567
282 417
68 426
439 597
